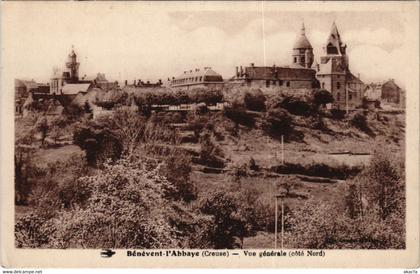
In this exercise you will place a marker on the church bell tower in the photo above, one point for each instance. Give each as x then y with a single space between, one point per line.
73 66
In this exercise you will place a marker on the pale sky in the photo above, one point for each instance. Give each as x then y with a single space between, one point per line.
147 41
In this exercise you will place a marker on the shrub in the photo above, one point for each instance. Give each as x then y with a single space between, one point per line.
297 106
338 114
239 116
99 143
210 155
322 97
126 209
255 101
277 121
359 121
177 169
227 220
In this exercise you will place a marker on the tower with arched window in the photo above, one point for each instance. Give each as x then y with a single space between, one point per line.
334 74
302 50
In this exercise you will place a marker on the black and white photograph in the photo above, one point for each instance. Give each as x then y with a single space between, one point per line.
211 126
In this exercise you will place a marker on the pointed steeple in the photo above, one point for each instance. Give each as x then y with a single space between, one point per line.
302 30
334 44
302 42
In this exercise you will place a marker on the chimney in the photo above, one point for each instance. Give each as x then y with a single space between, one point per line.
169 79
252 64
134 82
237 71
242 72
185 72
358 75
126 82
173 78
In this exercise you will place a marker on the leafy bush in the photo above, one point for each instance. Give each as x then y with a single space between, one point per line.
359 121
99 143
255 101
338 114
277 121
297 106
322 97
239 116
210 155
228 221
177 169
126 208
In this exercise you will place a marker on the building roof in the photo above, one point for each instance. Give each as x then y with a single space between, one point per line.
335 39
55 108
71 89
198 72
302 42
284 73
29 84
351 78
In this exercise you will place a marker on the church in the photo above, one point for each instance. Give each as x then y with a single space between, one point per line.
304 73
334 74
299 75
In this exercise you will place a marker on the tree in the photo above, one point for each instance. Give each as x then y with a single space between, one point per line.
277 121
87 108
128 127
99 143
255 101
42 127
126 208
384 184
227 221
177 169
25 171
321 98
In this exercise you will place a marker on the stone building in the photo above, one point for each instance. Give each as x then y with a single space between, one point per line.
392 93
387 92
69 76
197 78
334 74
24 88
303 55
299 75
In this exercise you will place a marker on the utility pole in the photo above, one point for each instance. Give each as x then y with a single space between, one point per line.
347 100
282 149
275 224
276 220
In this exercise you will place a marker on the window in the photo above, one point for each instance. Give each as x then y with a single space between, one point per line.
302 59
338 96
201 78
280 82
331 49
288 84
350 96
295 60
267 83
338 85
323 85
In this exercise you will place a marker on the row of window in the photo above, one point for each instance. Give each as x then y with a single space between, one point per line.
187 80
302 59
350 96
277 82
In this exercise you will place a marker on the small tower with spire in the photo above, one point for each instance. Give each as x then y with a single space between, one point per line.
333 73
73 66
302 50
